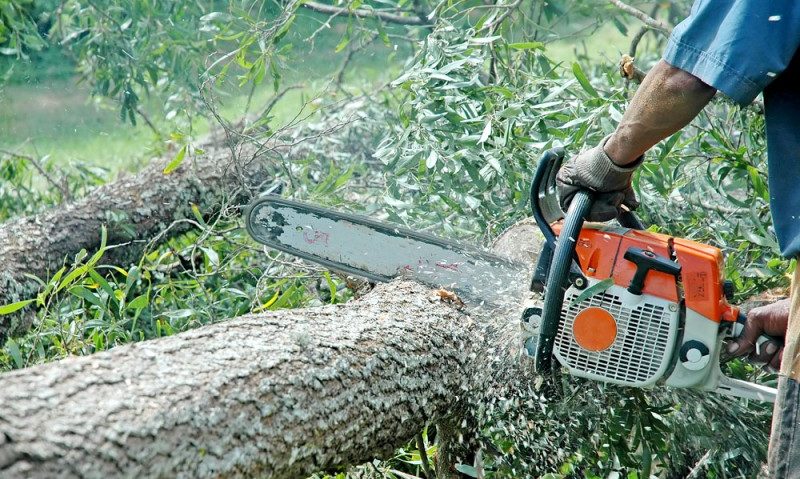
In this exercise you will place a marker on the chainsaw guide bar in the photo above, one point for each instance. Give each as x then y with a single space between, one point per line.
380 251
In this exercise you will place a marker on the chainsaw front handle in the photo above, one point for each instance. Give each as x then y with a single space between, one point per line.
546 210
557 284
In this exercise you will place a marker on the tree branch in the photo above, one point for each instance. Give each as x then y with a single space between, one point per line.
365 13
62 186
647 19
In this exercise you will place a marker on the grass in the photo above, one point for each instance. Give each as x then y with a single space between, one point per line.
52 114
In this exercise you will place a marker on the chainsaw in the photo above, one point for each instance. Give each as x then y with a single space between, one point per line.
620 304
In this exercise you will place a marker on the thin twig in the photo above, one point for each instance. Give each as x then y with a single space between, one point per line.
339 77
647 19
423 457
697 467
364 13
148 122
509 9
61 187
275 99
641 33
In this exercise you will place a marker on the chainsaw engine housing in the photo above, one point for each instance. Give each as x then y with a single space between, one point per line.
618 337
646 308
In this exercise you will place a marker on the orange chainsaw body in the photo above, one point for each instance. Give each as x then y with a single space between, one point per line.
600 250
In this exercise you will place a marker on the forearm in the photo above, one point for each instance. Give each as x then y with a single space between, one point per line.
666 101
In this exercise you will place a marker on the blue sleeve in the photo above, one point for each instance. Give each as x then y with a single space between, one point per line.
736 46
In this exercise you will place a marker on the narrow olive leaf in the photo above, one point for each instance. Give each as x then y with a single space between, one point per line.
591 291
139 302
581 77
527 46
176 162
197 215
13 307
13 350
487 130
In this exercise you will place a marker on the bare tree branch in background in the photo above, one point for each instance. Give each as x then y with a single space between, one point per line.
647 19
365 13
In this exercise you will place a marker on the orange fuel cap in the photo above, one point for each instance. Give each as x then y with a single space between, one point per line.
594 329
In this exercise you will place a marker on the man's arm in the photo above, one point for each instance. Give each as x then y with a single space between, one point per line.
666 101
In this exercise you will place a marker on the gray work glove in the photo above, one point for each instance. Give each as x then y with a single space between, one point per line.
593 170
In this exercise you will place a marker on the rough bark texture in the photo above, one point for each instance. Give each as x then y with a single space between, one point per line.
282 394
277 395
145 203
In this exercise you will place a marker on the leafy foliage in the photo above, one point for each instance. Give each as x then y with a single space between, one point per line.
459 129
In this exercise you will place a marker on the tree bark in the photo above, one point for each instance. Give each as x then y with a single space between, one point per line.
282 394
134 209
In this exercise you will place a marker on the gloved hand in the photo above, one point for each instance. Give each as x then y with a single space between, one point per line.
593 170
772 319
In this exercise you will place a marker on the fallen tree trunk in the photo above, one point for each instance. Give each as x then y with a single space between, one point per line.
138 208
282 394
134 209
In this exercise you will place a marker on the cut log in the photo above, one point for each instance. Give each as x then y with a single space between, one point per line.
282 394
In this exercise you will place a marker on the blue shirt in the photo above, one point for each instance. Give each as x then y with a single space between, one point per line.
744 47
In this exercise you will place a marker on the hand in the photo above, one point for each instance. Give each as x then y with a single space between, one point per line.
593 170
771 319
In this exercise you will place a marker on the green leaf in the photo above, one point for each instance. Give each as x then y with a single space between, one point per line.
467 470
345 40
331 286
527 46
216 17
197 215
592 290
211 255
72 277
432 159
12 307
87 295
283 30
487 130
139 302
268 304
176 162
13 351
581 77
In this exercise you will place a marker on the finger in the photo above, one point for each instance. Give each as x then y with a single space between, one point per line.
774 318
775 362
765 352
605 206
745 343
630 199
